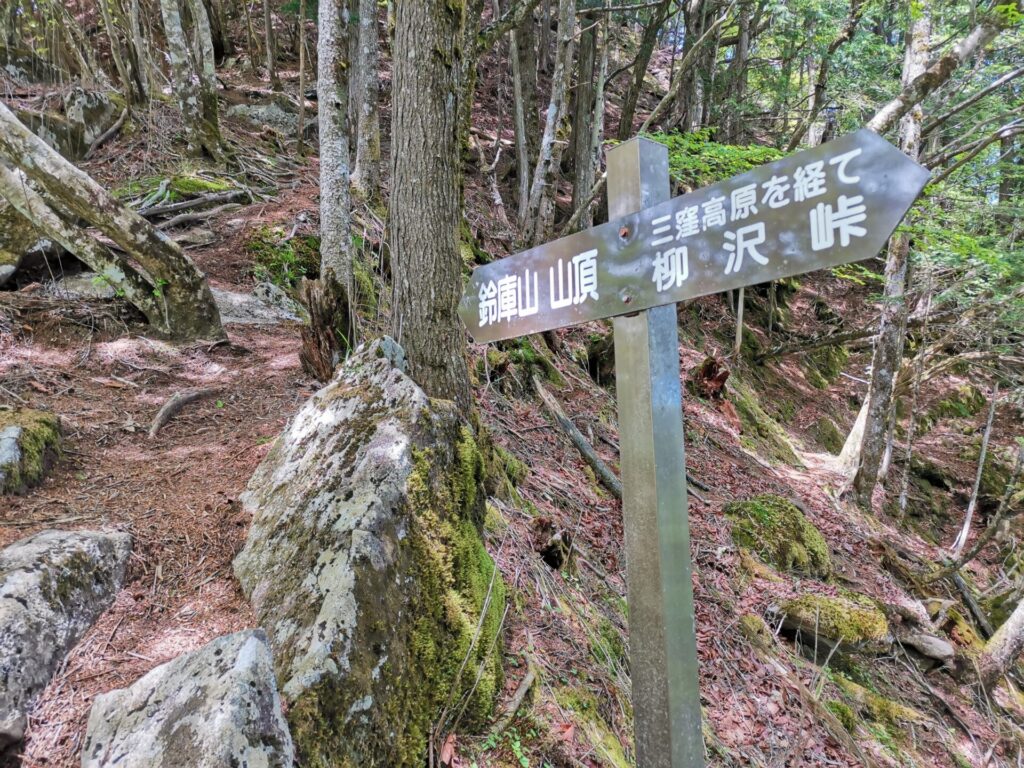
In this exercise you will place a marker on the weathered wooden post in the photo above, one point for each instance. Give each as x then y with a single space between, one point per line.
662 643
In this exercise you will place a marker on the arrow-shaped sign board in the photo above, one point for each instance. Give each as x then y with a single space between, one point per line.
834 204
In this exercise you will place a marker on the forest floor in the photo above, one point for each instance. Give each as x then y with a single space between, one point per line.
177 494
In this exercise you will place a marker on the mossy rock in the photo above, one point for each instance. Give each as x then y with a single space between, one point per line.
17 237
29 444
964 402
582 706
995 475
878 708
756 631
823 365
366 567
779 533
760 432
828 434
285 262
853 622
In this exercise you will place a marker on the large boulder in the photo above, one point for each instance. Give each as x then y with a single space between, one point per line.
29 443
18 237
53 586
365 565
83 118
215 708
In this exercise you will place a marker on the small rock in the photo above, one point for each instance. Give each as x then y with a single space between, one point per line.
931 646
215 708
280 117
247 309
53 586
84 285
275 296
29 444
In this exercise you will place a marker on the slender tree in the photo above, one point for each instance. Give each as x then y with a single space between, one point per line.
366 175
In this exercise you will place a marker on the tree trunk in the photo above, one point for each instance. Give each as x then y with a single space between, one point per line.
367 171
1003 649
270 44
301 127
424 206
207 69
222 45
888 352
115 53
643 59
540 210
138 53
583 109
185 81
965 529
526 48
332 106
178 286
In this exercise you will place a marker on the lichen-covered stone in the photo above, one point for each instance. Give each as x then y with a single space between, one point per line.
823 365
853 622
217 707
778 532
365 566
17 238
29 443
53 586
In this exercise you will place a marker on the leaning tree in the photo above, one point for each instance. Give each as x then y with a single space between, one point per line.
148 268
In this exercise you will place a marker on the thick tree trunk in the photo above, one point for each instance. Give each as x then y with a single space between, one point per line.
367 171
583 109
892 324
177 285
207 70
185 81
540 211
332 106
526 51
424 206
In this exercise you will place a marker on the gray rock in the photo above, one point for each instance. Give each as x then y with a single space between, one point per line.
53 586
247 309
17 238
364 564
84 285
279 116
29 444
215 708
84 117
931 646
275 296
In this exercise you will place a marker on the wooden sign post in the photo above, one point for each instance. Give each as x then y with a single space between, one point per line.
831 205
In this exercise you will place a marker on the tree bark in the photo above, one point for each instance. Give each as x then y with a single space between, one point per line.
424 207
888 352
332 108
540 210
643 59
185 80
925 82
207 70
177 285
1002 650
271 48
965 529
367 171
583 109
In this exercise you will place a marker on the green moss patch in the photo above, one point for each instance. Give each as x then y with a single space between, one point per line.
283 261
853 621
843 714
29 443
823 365
878 708
583 707
779 533
828 434
760 432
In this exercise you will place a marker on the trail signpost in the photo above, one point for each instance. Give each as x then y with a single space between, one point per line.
834 204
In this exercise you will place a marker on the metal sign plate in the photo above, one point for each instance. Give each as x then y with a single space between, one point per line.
834 204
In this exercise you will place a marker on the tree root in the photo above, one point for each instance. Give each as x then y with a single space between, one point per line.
177 401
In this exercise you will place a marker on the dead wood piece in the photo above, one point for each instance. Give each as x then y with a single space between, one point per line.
332 327
188 218
602 470
177 401
979 615
195 202
104 137
502 724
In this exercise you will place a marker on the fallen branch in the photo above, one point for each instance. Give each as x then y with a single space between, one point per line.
502 723
188 218
979 615
178 401
195 202
104 137
602 470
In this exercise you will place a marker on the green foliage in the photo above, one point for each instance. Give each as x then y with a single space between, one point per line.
283 261
696 161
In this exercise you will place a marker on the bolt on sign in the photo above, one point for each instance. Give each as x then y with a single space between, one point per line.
831 205
834 204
